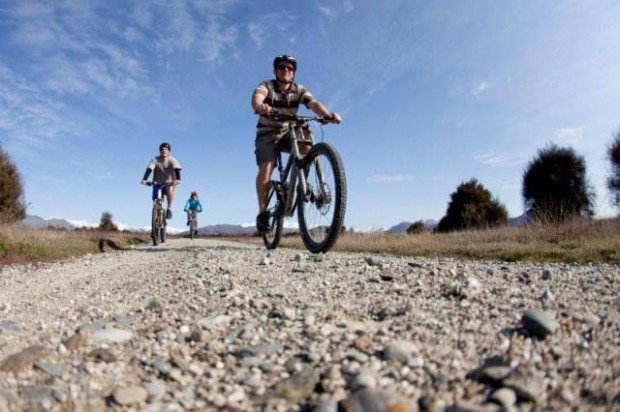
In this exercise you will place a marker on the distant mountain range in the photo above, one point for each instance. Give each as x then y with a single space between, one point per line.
403 226
36 222
432 224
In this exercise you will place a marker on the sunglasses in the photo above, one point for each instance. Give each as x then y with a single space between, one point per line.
285 67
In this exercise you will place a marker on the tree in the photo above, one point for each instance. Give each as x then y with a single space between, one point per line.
12 205
555 187
613 181
107 223
472 206
417 227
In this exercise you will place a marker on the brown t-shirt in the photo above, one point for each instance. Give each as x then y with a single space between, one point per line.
286 102
163 168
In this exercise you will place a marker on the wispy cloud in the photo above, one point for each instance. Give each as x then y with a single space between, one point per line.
336 9
568 135
82 49
494 159
27 116
481 88
102 51
272 24
385 178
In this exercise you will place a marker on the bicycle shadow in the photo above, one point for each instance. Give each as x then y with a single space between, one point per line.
158 249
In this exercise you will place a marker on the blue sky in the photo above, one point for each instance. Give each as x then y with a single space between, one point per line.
431 93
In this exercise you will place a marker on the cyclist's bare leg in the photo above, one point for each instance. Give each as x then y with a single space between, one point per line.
262 184
170 196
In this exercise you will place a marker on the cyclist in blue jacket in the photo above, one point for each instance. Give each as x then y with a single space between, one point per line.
192 205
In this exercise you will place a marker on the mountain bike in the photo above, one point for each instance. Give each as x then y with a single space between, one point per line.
158 214
313 184
193 224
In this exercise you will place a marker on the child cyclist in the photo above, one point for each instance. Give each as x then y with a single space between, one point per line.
192 205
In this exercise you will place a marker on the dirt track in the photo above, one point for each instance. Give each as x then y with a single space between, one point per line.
208 324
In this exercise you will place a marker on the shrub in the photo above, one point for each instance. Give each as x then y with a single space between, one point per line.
107 223
12 205
417 227
555 186
472 206
613 181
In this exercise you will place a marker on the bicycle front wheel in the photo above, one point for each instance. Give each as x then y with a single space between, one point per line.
275 203
156 216
321 210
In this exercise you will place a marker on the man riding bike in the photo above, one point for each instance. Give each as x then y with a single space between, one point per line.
281 94
167 171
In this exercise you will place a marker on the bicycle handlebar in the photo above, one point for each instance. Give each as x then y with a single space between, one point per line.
160 183
277 116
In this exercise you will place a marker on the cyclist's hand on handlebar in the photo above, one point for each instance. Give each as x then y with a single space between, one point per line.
335 118
263 109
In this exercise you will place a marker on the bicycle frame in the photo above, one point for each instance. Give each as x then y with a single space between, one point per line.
158 220
293 166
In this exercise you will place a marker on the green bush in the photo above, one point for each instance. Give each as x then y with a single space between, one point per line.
472 207
555 187
12 205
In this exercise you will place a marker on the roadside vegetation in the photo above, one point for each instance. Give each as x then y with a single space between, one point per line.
578 240
22 245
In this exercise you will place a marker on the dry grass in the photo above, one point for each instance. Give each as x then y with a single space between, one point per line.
577 241
21 245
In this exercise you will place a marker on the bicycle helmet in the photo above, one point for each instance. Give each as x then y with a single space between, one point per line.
194 193
166 145
284 58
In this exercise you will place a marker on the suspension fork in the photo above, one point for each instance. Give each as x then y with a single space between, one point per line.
295 166
319 169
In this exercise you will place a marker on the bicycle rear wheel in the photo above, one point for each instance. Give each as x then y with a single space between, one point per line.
275 202
156 216
321 212
193 228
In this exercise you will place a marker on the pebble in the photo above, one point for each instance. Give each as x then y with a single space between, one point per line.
539 323
156 389
400 351
111 336
130 395
505 397
362 380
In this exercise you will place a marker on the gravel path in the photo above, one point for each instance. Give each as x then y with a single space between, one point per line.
209 325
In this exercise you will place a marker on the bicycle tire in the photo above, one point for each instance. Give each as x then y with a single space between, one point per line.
155 219
275 202
321 213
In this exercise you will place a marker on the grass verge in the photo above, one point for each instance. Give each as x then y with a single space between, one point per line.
580 241
21 245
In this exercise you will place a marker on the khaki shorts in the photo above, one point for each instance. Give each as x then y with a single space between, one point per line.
268 146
